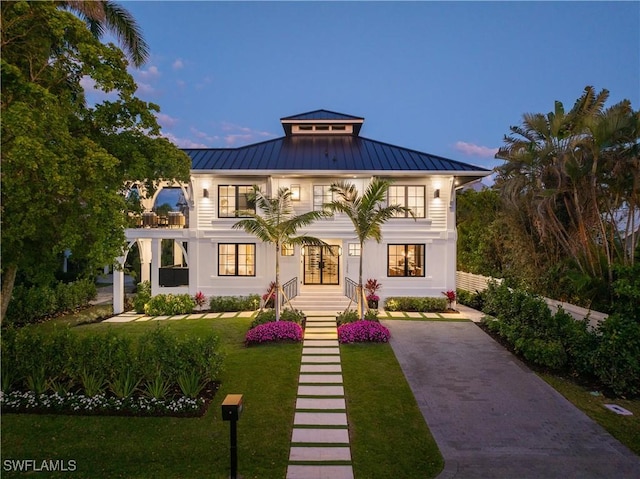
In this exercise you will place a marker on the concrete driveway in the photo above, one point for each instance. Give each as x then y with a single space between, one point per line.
492 417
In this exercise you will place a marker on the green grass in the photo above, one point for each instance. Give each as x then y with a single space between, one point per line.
105 447
624 428
389 436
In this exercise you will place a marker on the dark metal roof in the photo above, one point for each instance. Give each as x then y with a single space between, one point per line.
322 115
336 153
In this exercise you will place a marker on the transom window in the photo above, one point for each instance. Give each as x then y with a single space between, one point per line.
411 197
405 260
236 259
321 194
234 198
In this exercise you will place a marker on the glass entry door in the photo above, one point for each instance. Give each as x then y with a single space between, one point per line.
322 265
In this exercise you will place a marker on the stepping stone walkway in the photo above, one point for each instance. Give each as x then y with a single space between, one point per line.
320 439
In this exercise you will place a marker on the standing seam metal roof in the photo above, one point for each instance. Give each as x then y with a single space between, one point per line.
323 152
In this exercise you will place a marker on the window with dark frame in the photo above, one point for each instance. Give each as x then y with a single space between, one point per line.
405 260
321 194
236 259
411 197
234 198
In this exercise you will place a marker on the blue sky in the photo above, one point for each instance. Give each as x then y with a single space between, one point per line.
447 78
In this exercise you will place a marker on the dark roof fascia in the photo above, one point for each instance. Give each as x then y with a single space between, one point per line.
344 173
339 117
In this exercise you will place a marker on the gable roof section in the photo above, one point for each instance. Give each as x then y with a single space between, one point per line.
321 115
339 153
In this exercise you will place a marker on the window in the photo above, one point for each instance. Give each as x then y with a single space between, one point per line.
354 249
232 199
405 260
321 194
411 197
286 249
236 259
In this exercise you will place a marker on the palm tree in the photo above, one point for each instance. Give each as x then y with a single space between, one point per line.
367 213
105 15
274 222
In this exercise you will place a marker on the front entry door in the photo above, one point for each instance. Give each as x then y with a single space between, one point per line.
322 265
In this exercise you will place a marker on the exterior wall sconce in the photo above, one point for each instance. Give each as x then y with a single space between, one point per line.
436 193
205 193
295 192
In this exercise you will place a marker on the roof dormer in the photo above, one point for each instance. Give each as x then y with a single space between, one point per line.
322 122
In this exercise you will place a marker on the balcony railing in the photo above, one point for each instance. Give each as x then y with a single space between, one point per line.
149 219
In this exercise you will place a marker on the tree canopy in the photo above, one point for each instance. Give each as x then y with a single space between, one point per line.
64 162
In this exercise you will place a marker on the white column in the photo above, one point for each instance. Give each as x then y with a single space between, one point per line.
118 286
144 247
156 258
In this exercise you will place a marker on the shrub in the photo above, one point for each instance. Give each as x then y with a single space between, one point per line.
33 304
269 315
420 304
348 316
142 297
169 304
371 315
274 331
222 304
617 357
363 331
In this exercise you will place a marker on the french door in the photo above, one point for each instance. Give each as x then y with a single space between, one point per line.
322 265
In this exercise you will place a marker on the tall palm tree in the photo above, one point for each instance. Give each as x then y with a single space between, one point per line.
367 213
274 222
105 15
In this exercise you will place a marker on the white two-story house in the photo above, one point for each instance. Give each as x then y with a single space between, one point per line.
415 258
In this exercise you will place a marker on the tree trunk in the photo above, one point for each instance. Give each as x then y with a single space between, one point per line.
8 281
276 300
360 289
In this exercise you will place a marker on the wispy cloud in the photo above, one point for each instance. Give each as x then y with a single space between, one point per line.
183 142
166 121
475 150
178 64
149 73
235 134
211 139
145 88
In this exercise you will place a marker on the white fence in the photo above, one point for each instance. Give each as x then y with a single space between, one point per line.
475 282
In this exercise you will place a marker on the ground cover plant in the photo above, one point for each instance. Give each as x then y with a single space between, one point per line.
274 331
363 332
269 315
384 417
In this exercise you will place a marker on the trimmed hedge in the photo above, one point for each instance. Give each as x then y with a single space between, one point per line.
418 304
33 304
169 304
223 304
611 353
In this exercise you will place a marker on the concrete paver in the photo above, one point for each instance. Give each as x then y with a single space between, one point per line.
325 453
308 358
320 379
320 436
320 368
492 417
315 350
319 472
320 419
320 391
320 403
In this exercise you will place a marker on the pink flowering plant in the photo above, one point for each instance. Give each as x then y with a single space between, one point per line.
274 331
451 297
200 299
363 332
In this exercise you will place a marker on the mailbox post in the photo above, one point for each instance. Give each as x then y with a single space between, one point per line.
231 411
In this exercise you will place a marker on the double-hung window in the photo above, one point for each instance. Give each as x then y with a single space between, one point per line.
405 260
411 197
236 259
232 199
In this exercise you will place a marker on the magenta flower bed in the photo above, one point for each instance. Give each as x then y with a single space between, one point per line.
274 331
362 332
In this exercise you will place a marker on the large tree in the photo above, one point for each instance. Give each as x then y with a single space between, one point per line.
572 179
275 222
64 163
367 212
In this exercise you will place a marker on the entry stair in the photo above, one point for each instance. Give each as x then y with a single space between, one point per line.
321 298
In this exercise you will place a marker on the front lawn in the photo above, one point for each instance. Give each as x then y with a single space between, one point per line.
171 447
389 436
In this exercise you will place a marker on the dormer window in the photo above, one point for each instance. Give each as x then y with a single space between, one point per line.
322 122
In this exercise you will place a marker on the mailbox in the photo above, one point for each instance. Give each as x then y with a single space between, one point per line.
232 407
